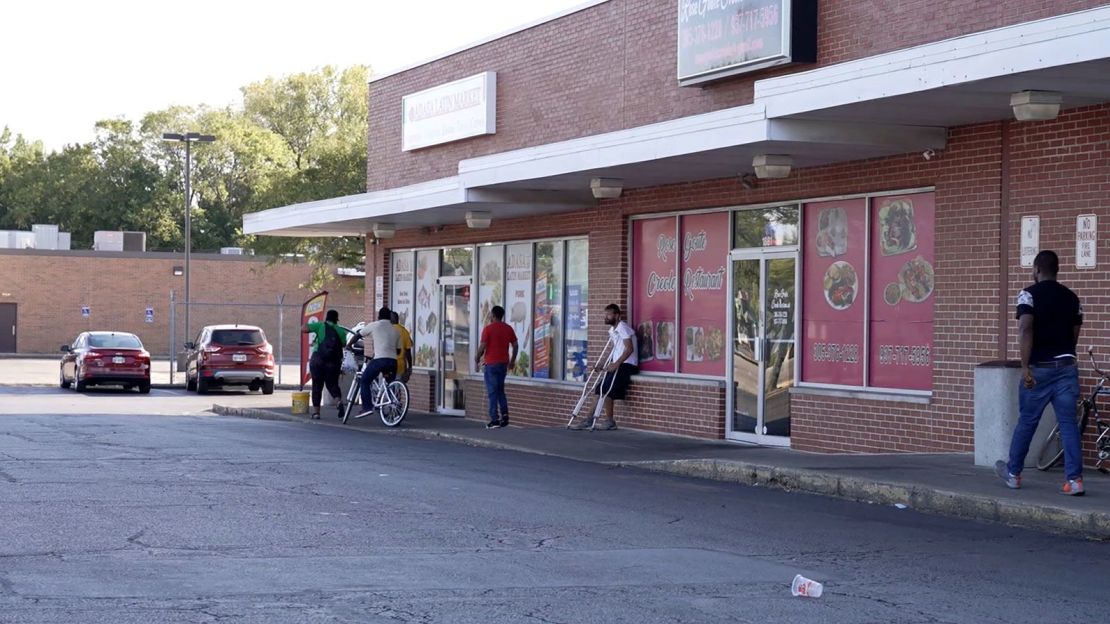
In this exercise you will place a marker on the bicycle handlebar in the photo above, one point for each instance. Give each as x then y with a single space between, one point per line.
1094 364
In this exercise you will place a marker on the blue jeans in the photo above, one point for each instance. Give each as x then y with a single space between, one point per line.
1060 386
379 366
495 389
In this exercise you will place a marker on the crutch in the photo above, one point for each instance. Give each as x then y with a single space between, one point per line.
592 380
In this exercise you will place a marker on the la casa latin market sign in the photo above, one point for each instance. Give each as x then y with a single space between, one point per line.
719 38
450 112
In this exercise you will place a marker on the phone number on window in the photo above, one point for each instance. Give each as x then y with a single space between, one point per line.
825 352
904 355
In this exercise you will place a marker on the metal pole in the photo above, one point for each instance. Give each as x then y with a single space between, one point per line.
281 335
188 230
173 337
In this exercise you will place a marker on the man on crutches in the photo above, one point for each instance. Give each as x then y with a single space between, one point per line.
622 364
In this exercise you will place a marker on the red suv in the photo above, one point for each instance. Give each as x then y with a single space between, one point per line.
104 357
229 355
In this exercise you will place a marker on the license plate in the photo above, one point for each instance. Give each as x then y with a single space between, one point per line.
238 357
119 359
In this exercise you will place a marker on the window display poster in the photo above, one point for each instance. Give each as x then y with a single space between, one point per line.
703 300
655 255
427 309
518 302
541 360
834 251
491 278
902 285
401 288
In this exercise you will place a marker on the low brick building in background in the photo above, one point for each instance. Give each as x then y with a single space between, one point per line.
817 226
45 292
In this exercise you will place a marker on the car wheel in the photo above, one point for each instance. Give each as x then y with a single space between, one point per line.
79 384
190 383
202 385
268 386
62 379
144 387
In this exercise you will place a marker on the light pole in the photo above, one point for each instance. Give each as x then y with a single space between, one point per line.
188 138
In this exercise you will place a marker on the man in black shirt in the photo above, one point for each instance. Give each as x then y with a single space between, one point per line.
1049 317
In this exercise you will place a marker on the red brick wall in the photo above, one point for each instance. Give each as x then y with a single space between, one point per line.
612 67
50 287
1057 169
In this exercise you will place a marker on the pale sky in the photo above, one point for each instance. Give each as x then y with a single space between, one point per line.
66 64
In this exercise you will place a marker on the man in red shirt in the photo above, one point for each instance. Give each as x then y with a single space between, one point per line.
496 338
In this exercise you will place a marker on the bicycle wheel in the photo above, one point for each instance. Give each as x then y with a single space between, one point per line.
393 412
353 400
1051 451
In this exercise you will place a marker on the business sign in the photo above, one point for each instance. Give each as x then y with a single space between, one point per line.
718 38
312 311
450 112
1030 240
1086 241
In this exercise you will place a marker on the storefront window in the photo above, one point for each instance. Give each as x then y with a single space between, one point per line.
518 302
457 262
547 332
703 298
427 307
655 255
882 273
491 280
577 311
401 289
766 227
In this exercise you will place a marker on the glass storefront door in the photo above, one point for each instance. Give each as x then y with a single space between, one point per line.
455 356
763 287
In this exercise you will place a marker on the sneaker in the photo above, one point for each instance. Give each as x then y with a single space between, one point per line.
493 424
314 416
1012 481
580 424
1073 487
605 425
504 420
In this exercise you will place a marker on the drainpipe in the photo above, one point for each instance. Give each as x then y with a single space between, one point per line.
1004 244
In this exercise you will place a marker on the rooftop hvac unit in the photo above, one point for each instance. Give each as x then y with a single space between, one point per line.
64 241
46 236
104 240
22 240
134 241
236 251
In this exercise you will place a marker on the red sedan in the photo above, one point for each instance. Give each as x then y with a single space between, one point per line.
105 358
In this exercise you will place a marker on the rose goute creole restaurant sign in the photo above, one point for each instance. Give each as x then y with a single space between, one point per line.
718 38
450 112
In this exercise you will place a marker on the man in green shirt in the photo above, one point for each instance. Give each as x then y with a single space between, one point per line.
327 359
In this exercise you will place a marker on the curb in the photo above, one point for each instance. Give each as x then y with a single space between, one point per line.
1091 525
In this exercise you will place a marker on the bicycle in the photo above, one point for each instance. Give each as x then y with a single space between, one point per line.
391 399
1052 451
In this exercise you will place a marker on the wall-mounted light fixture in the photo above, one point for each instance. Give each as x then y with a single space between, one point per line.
178 271
478 219
383 230
606 188
772 166
1036 105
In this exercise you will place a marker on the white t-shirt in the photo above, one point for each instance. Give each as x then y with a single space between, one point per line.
617 336
384 336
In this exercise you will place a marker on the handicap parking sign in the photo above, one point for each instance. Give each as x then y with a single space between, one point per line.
86 311
150 315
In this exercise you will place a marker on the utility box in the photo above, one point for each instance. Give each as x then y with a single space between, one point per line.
997 385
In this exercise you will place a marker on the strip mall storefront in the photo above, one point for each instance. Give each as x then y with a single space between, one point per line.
837 304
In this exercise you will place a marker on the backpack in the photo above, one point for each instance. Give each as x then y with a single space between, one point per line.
331 350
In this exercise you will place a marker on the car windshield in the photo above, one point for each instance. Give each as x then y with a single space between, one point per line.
237 337
114 341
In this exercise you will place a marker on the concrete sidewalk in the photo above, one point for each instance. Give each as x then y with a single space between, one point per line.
947 484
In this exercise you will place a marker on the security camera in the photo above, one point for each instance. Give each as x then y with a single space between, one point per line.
749 181
928 154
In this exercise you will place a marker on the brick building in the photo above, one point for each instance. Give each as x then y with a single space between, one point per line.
43 295
817 225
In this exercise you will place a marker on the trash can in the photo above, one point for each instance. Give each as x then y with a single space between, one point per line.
996 413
